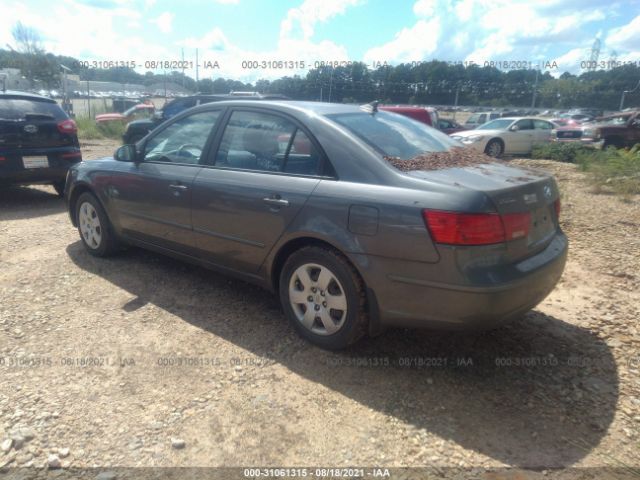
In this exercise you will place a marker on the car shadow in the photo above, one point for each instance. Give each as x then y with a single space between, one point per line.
18 202
537 393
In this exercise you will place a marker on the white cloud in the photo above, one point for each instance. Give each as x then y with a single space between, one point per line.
164 22
424 8
626 37
496 30
227 2
409 44
300 22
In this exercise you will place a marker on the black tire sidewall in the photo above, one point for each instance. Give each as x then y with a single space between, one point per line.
350 330
106 243
499 144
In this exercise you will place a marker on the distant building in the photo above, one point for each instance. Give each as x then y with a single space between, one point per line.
14 80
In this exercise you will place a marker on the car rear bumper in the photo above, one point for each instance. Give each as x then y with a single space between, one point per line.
405 299
13 171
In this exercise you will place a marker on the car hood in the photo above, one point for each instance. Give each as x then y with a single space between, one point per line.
484 133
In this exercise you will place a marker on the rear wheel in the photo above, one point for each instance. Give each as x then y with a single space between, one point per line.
94 227
323 297
494 148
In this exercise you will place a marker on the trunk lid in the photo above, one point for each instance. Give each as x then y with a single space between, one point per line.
512 190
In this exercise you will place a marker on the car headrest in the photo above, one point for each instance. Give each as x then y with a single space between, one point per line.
258 141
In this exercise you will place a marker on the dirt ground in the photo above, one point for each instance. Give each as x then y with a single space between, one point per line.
140 360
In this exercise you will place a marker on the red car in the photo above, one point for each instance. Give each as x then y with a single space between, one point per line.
449 126
142 110
425 115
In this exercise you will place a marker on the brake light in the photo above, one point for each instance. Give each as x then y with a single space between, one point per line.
556 206
67 126
2 159
454 228
72 155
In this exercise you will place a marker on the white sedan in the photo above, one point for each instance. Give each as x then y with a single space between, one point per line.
507 135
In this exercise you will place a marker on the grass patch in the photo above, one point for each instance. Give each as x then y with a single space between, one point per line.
561 152
616 170
88 129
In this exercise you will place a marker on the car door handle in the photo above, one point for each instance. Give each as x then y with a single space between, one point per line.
276 202
178 187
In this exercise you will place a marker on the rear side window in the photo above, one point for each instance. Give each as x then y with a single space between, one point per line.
542 125
261 141
21 109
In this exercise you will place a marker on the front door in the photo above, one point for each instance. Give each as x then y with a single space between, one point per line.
152 197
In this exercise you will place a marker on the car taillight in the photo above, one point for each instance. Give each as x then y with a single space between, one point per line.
516 225
556 206
454 228
67 126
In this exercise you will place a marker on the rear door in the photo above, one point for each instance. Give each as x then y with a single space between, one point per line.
152 198
264 170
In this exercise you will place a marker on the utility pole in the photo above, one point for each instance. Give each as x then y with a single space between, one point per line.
330 83
88 101
455 102
197 73
624 94
535 90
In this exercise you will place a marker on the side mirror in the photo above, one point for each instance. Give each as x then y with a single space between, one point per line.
126 153
515 128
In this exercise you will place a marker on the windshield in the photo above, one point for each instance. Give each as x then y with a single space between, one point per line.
395 135
500 124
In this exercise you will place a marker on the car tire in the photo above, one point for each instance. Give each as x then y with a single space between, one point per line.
318 278
59 188
94 227
494 148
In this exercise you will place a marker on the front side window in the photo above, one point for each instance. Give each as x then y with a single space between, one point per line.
182 141
525 124
262 141
542 125
394 135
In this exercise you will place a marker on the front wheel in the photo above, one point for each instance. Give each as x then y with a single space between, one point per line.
494 148
323 297
94 227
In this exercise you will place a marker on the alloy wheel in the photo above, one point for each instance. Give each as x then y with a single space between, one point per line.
90 225
318 299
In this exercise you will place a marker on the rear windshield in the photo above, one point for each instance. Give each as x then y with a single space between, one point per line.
394 135
19 108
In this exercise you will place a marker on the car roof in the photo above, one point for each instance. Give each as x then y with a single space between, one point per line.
319 108
15 94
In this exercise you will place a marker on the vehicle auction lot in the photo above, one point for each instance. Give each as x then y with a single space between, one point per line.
113 358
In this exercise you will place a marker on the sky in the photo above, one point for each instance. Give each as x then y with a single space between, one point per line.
230 33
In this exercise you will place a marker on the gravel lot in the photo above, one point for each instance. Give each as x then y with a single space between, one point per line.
140 360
